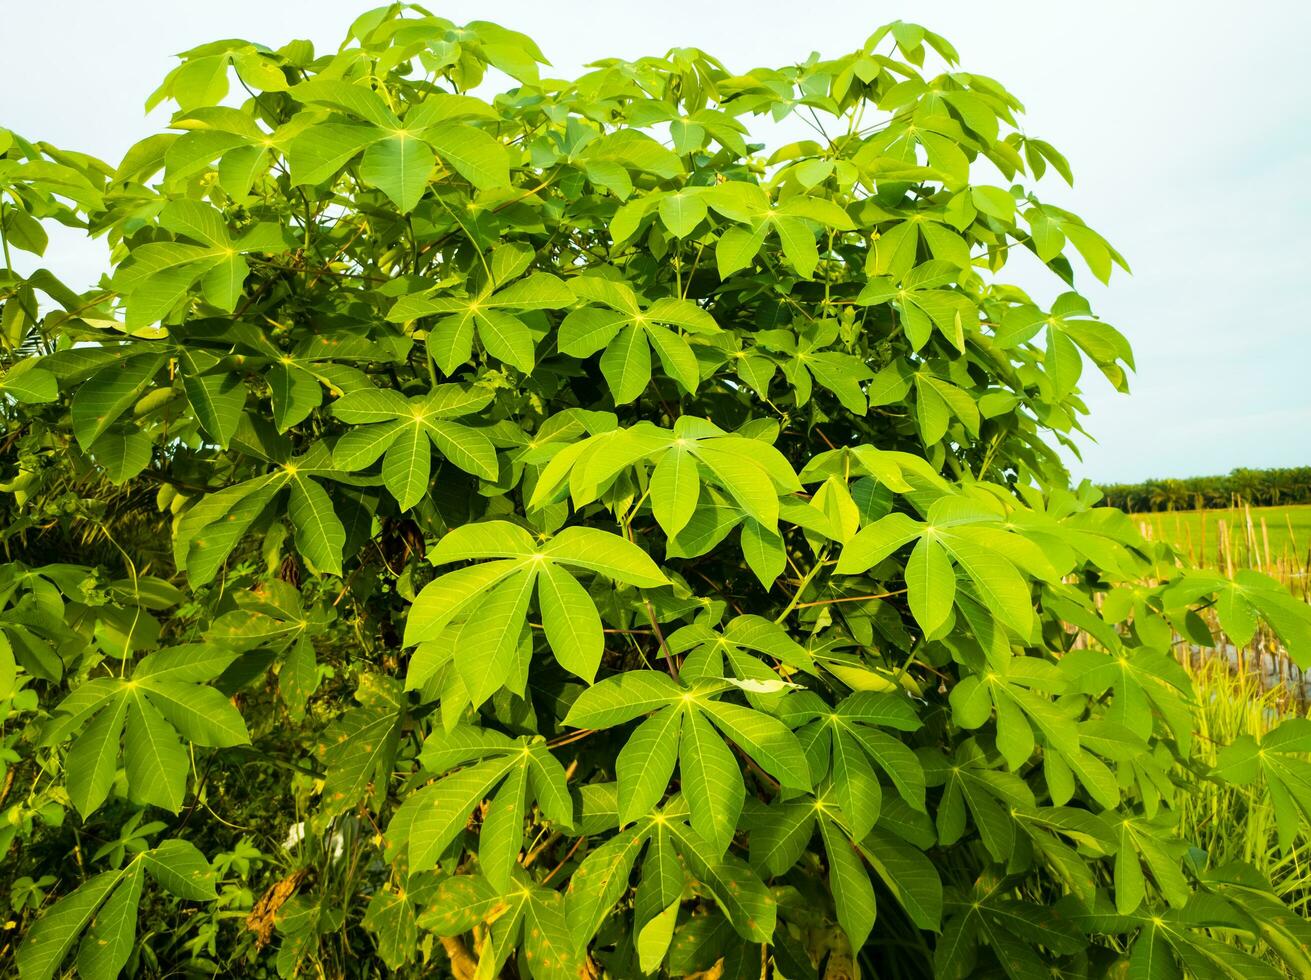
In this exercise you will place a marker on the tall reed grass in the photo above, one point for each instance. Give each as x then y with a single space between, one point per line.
1236 538
1237 823
1231 541
1244 689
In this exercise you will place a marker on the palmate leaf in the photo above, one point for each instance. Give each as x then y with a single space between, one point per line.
711 777
923 303
1249 891
1279 758
752 472
357 750
967 536
491 601
527 916
1151 844
1022 711
105 908
846 745
162 699
216 523
805 359
159 275
795 222
397 156
780 833
392 919
1178 942
751 652
661 838
628 332
1241 600
404 432
877 541
1011 928
46 945
432 818
1069 322
975 791
270 617
493 315
1145 685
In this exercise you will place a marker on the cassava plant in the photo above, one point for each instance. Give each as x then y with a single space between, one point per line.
611 546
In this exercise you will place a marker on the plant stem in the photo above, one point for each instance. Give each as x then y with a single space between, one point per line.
810 575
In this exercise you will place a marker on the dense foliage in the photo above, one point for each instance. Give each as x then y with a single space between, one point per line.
547 534
1256 488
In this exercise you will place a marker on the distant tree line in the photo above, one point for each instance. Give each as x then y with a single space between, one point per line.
1259 488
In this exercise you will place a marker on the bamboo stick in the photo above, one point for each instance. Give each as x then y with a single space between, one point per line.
1253 554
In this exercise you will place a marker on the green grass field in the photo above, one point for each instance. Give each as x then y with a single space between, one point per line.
1277 539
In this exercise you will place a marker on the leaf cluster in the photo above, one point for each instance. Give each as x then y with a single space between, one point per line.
624 546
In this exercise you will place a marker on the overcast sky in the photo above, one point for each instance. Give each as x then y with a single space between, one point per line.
1188 125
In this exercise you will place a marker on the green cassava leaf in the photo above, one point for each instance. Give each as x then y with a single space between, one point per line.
582 523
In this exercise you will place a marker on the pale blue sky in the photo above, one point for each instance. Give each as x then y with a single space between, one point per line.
1188 126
